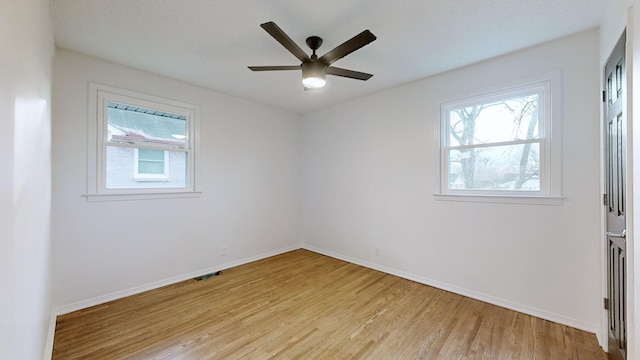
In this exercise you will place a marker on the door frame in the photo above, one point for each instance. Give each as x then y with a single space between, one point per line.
615 130
633 220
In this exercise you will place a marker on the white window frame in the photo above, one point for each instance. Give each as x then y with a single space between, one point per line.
99 98
548 86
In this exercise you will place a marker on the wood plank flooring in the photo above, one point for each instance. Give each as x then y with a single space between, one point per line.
302 305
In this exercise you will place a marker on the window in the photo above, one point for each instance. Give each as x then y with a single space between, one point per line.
499 144
151 165
141 146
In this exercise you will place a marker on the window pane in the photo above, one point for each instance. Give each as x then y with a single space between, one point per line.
135 125
505 120
514 167
150 167
151 154
120 170
150 161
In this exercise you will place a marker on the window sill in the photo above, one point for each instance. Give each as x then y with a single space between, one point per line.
501 199
143 196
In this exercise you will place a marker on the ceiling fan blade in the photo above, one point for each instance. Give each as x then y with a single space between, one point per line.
285 40
348 47
348 73
274 68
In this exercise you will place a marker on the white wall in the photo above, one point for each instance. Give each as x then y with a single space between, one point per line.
613 22
250 175
26 52
370 169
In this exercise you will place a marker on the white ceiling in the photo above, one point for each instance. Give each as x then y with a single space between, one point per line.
211 42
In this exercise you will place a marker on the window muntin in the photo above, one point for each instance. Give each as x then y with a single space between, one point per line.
499 143
143 144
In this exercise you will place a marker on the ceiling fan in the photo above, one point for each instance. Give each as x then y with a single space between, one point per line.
314 68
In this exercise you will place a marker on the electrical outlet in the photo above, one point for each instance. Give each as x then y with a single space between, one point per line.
377 251
224 250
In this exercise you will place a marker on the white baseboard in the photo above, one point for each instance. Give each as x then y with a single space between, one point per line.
48 346
581 325
65 309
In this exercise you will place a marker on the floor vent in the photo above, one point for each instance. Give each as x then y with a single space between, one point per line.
206 276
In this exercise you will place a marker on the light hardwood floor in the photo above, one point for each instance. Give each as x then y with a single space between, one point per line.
302 305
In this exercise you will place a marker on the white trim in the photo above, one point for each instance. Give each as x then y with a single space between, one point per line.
143 196
51 332
633 276
501 199
65 309
560 319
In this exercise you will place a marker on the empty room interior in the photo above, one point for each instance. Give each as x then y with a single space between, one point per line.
294 179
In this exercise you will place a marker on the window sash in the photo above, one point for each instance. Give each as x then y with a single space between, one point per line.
488 174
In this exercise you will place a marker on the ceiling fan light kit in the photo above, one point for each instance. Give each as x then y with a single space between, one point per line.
314 69
314 75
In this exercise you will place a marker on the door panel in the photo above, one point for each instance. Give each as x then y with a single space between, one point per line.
615 127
